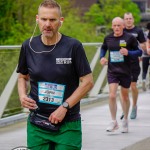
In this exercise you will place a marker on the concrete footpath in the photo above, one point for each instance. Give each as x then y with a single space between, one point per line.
95 119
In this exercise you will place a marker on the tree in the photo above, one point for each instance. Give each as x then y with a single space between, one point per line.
23 22
18 19
103 12
6 20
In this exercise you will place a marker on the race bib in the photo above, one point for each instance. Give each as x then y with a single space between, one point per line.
122 43
51 93
115 56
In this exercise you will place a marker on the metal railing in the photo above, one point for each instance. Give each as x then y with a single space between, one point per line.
7 91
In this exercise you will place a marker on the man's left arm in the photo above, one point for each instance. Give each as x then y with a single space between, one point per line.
86 83
135 53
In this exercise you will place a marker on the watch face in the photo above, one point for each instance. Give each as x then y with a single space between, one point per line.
66 105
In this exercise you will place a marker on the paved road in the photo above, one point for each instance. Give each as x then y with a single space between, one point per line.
95 118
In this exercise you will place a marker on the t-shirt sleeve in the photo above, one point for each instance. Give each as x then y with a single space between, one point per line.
80 61
141 36
22 63
103 49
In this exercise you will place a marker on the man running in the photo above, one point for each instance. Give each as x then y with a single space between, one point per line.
135 67
121 47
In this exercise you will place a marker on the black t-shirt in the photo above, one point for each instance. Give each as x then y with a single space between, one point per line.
65 64
117 63
139 35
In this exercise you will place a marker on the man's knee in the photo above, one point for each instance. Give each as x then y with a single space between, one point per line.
133 86
112 96
125 98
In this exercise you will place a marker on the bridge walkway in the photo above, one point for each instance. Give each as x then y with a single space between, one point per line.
95 118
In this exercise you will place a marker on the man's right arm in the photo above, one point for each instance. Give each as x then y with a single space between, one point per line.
26 102
103 60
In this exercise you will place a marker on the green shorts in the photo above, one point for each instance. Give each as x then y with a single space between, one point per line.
69 137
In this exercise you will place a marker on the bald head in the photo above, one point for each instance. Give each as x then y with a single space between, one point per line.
118 26
118 19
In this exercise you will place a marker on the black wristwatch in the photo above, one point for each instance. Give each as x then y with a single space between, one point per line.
65 105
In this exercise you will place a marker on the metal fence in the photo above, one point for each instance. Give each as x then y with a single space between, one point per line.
10 84
8 87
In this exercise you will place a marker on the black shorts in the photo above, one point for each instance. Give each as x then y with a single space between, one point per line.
135 72
123 81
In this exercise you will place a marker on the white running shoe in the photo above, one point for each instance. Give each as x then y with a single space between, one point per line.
124 126
112 126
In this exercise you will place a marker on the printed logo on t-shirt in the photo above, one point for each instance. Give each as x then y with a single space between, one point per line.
122 43
63 60
135 35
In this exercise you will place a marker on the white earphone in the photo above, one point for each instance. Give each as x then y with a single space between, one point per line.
61 22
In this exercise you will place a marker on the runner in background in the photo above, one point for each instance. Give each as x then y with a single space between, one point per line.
145 58
135 66
121 47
